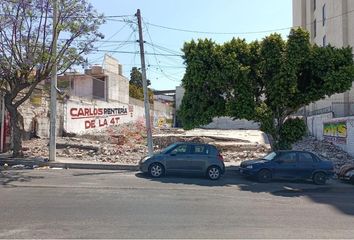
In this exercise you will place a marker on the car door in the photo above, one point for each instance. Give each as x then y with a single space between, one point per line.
198 157
285 165
306 164
177 160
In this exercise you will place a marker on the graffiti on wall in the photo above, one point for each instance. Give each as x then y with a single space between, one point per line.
98 117
84 116
335 132
162 120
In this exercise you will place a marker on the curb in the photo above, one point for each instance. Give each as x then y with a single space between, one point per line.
40 163
92 166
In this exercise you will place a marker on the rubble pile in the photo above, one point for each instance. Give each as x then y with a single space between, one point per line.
326 150
126 144
123 144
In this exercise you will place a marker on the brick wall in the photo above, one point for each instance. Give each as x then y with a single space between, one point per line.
35 111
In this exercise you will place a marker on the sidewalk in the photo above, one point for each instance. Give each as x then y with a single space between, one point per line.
67 163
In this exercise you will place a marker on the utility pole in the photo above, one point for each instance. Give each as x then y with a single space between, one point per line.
53 87
146 98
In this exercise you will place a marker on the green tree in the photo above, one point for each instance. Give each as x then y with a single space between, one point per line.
136 78
26 46
136 86
203 81
297 73
266 81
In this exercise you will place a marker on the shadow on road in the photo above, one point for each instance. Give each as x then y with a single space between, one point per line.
228 179
97 173
334 193
8 178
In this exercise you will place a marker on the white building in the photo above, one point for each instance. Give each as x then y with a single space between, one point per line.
329 22
105 83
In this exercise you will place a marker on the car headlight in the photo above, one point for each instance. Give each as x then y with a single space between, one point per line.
145 159
249 167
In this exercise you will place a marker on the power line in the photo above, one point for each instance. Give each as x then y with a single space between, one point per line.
163 48
169 59
99 41
117 32
242 33
159 67
216 33
130 52
168 77
124 43
157 61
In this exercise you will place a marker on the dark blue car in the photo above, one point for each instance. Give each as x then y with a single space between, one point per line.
289 165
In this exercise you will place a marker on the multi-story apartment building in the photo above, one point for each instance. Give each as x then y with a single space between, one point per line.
329 22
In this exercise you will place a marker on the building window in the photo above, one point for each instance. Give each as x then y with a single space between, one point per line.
324 15
314 28
314 5
98 88
324 41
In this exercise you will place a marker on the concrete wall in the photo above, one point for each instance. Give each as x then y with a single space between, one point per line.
118 85
315 124
38 113
84 115
137 102
345 140
179 96
82 86
163 114
299 19
229 123
219 122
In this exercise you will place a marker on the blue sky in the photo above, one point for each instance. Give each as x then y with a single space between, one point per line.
165 72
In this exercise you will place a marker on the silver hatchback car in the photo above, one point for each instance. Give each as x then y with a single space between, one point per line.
185 157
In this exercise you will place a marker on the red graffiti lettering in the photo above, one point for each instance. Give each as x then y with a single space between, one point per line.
73 112
90 124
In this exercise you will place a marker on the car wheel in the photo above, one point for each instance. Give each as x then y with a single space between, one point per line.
156 170
264 175
319 178
214 172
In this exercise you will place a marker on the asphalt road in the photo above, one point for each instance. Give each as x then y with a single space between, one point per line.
119 204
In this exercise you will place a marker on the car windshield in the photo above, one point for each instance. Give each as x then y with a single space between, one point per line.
270 156
170 147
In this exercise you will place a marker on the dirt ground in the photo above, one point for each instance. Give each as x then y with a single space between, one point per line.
126 144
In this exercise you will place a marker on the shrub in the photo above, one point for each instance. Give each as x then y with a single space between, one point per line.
292 130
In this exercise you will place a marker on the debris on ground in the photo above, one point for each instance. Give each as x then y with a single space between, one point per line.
126 143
